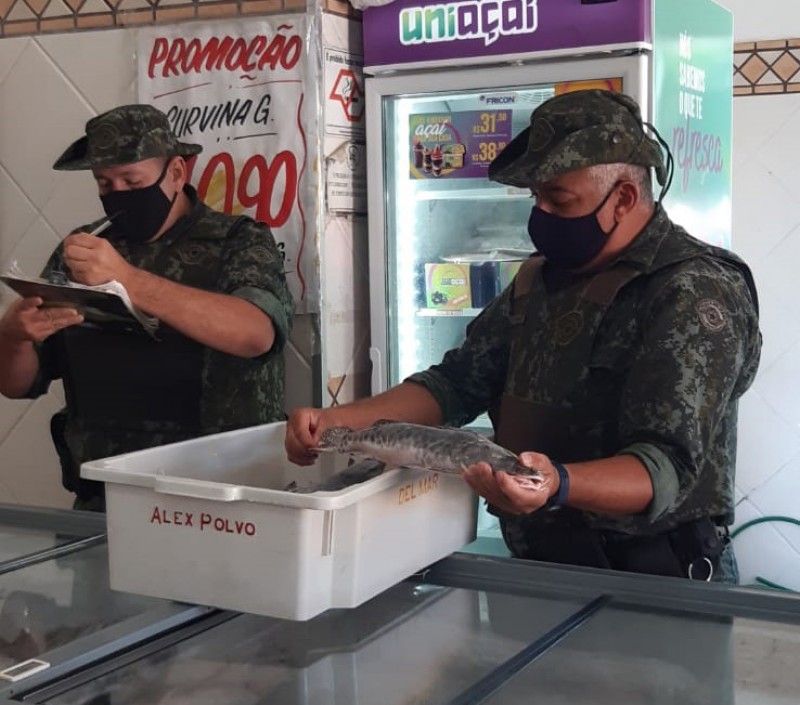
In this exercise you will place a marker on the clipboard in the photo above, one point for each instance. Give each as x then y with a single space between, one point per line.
102 305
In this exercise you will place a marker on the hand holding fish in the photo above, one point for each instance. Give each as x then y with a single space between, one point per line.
503 491
302 434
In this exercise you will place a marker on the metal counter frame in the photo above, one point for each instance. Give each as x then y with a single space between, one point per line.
523 577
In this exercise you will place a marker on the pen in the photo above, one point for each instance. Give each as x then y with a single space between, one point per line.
105 224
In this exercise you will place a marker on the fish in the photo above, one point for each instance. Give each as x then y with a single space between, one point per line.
353 474
408 445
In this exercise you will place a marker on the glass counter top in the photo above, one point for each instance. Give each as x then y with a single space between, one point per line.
49 604
412 644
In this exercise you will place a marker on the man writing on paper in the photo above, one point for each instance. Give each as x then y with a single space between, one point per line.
215 282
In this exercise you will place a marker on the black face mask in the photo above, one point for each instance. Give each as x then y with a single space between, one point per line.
569 243
139 214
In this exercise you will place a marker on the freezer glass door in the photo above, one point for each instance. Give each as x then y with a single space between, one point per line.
454 239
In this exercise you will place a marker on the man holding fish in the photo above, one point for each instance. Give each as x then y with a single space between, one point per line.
215 282
612 365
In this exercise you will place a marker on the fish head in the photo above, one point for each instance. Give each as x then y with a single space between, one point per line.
334 438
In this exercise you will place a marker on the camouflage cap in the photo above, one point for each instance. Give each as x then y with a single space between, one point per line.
573 131
124 135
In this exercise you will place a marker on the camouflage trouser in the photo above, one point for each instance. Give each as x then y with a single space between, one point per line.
578 545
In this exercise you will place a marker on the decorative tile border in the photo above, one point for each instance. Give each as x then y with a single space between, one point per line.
27 17
766 68
759 68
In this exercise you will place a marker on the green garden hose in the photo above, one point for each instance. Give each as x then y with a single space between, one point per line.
766 520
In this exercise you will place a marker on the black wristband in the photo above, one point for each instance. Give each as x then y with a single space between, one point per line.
559 498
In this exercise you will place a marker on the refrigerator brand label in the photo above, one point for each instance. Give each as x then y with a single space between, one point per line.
487 20
505 99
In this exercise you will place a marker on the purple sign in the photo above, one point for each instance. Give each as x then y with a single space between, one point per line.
422 31
457 145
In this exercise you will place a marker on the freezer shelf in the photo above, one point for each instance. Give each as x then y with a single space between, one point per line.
413 643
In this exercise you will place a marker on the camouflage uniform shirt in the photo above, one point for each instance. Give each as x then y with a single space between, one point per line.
206 250
671 355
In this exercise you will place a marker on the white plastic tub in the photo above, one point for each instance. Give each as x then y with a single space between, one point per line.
207 521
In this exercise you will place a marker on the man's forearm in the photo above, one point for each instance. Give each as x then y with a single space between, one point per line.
225 323
617 485
406 402
19 365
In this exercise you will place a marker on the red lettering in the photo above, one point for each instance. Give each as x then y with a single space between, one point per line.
211 55
218 524
222 526
236 55
255 47
273 53
291 55
270 188
171 57
156 517
159 53
226 161
269 177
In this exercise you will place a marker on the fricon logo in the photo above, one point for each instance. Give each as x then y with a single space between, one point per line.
498 99
472 19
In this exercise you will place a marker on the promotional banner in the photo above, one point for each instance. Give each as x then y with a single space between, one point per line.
421 32
693 101
237 88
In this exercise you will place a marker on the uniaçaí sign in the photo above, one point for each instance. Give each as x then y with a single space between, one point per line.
415 32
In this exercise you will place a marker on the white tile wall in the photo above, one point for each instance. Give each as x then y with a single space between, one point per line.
49 87
32 84
766 19
758 461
